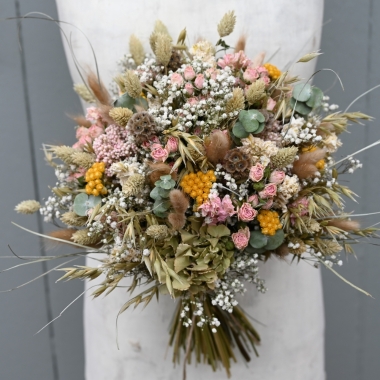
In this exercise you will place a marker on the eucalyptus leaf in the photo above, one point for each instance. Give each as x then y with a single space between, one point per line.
83 203
125 101
261 128
258 239
163 192
300 107
276 240
316 98
239 131
302 92
154 194
161 205
160 214
252 126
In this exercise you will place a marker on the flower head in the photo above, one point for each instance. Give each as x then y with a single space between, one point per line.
241 238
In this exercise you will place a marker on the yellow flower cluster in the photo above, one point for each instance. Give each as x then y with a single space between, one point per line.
94 181
198 185
273 71
320 165
269 222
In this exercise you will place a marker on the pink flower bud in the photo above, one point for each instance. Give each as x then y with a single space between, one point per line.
81 131
271 104
199 81
277 177
256 172
189 88
269 191
254 200
189 73
95 131
177 79
159 153
251 74
246 212
172 144
241 238
268 205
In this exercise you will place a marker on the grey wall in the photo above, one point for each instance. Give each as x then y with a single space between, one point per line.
35 93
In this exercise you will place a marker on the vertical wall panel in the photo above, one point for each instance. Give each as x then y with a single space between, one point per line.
352 48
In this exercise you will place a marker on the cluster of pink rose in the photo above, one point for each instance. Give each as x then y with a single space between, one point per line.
160 153
88 135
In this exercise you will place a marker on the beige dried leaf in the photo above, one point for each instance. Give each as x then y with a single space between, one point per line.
309 56
136 49
121 115
82 237
28 207
132 84
255 91
284 157
83 91
227 24
236 103
70 218
163 48
83 159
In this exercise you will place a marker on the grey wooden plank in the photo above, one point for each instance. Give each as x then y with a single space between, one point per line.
24 310
352 331
52 99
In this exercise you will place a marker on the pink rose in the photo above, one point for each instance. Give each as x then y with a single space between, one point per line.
216 210
177 79
254 199
81 131
189 88
93 114
256 173
159 153
95 131
212 73
302 207
269 191
79 173
277 177
192 101
199 81
269 204
265 79
171 145
251 74
271 104
189 73
241 238
83 141
246 212
235 61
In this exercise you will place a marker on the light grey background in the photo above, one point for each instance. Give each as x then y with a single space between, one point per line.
35 96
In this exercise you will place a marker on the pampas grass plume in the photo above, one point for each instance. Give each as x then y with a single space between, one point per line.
240 45
179 201
99 90
305 167
344 224
177 220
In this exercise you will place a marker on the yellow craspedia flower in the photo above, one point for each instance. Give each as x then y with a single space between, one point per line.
94 181
273 71
269 222
198 185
